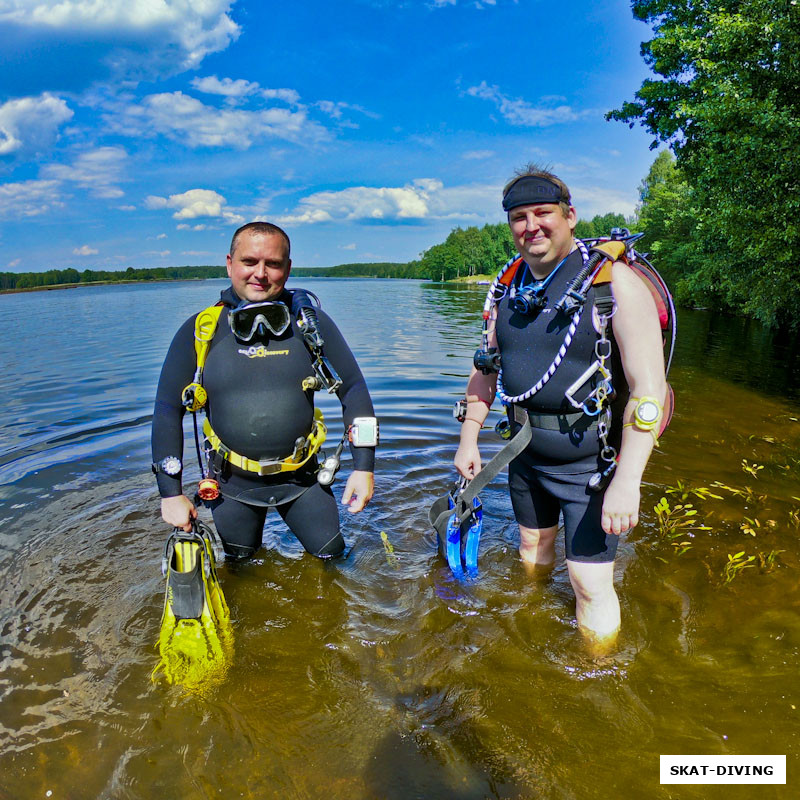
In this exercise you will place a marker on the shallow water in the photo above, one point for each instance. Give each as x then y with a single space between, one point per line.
378 677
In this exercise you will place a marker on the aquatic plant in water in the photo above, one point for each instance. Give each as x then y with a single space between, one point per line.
679 523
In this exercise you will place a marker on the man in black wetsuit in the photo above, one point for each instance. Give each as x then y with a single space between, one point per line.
259 411
543 358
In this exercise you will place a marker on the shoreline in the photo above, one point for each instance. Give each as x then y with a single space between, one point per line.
470 279
59 286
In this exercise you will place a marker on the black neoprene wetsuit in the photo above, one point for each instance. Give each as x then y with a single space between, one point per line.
551 474
258 408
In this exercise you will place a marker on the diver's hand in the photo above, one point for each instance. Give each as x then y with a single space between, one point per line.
178 511
620 505
358 490
468 460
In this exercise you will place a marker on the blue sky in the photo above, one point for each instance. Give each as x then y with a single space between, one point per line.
142 132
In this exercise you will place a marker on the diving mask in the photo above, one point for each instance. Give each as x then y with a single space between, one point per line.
244 320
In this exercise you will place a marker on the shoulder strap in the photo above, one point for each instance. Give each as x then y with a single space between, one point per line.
509 274
440 511
205 326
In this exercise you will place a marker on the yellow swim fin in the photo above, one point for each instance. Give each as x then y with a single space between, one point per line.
195 643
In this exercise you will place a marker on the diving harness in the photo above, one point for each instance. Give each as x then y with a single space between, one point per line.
598 256
194 398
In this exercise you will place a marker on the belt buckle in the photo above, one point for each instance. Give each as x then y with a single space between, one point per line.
268 468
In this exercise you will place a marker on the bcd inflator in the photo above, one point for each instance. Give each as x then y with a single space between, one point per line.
487 360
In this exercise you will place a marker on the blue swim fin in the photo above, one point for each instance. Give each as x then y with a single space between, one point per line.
473 538
453 543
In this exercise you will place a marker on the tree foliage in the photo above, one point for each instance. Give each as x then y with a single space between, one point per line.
467 251
727 101
601 225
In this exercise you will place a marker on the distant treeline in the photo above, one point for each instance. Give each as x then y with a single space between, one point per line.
377 270
56 277
482 251
465 252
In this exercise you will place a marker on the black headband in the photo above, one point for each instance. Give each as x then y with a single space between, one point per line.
531 189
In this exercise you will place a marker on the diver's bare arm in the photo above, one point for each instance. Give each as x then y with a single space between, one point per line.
638 336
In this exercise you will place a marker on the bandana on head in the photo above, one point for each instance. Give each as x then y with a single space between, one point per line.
532 189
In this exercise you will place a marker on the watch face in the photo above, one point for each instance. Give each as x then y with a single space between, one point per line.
171 465
647 412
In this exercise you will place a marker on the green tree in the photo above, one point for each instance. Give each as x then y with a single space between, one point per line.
727 101
667 216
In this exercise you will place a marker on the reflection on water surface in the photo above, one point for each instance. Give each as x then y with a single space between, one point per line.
381 677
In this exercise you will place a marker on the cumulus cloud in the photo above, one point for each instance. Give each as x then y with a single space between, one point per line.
29 198
590 200
227 87
181 30
519 112
30 124
84 250
235 89
184 118
287 95
422 199
184 227
195 203
97 171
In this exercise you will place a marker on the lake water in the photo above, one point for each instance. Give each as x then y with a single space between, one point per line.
377 677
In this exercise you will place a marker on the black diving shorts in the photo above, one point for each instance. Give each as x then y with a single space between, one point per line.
539 496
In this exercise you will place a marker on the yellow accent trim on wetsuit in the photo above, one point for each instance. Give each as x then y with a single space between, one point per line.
311 446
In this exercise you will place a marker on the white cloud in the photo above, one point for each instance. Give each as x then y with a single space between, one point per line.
227 87
234 90
29 198
126 208
336 109
185 119
184 227
195 203
15 262
84 250
590 200
347 246
30 124
97 171
161 236
477 155
287 95
423 198
186 30
519 112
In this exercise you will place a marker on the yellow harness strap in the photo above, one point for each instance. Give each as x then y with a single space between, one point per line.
194 396
205 326
293 462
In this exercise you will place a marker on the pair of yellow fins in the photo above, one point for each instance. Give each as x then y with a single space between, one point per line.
195 643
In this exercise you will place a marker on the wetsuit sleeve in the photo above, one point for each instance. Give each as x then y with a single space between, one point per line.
353 392
167 431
